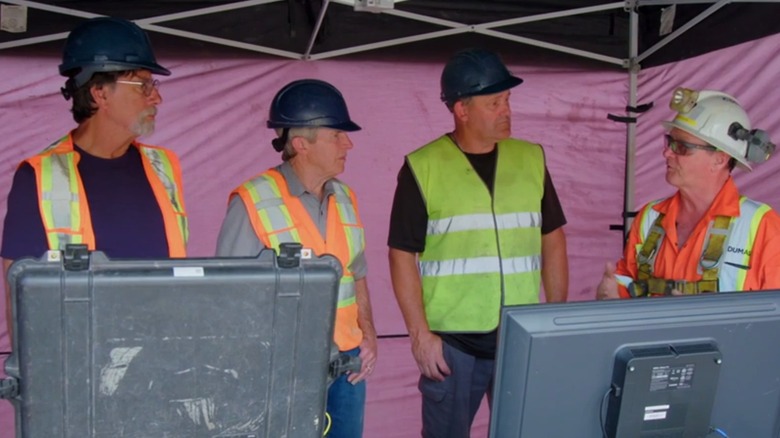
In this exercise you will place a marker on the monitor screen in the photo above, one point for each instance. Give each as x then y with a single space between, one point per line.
555 362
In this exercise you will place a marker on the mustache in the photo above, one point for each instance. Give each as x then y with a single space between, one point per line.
149 112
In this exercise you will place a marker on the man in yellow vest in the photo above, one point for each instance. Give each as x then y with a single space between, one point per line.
706 237
475 225
302 201
97 185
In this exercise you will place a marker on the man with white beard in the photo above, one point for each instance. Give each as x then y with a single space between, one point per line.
97 185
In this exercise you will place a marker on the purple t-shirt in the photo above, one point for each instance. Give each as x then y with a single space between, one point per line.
126 218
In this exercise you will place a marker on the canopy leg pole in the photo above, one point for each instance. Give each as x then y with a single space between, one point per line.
633 89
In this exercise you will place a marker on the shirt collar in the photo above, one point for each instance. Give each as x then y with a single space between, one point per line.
294 184
726 202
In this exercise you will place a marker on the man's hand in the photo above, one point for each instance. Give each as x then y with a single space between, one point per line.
368 352
427 351
608 288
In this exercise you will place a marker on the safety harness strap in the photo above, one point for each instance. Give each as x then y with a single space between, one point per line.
717 235
659 286
646 256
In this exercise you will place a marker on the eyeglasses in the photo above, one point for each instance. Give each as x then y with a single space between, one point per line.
147 87
683 148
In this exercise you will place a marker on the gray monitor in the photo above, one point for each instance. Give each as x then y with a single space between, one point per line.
555 361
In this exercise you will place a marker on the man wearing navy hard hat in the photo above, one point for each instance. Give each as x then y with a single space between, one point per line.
475 225
304 202
97 185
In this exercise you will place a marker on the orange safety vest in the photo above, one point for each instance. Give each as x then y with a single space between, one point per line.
750 260
278 217
63 203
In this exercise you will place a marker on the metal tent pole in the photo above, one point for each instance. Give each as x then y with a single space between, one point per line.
633 89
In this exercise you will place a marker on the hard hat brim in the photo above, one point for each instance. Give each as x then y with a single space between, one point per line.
348 126
510 82
115 66
84 73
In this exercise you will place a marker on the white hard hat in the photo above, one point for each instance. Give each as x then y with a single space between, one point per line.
709 115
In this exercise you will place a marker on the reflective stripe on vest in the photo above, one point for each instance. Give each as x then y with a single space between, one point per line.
484 222
170 178
280 217
736 257
734 254
482 251
480 265
63 205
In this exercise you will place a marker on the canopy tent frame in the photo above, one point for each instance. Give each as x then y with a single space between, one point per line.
632 62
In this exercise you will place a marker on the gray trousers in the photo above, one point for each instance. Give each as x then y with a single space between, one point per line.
449 407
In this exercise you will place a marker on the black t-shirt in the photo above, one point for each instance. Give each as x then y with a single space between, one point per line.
409 222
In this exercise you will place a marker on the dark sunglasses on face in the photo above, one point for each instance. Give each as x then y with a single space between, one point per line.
683 148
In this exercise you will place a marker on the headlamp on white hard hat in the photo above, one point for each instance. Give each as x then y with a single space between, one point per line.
718 119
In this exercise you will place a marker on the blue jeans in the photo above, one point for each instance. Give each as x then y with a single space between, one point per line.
346 406
449 407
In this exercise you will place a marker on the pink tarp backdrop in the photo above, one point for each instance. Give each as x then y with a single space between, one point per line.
213 116
750 72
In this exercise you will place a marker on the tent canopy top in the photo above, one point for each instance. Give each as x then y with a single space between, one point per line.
317 29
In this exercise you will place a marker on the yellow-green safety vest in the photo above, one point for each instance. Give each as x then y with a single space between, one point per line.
481 251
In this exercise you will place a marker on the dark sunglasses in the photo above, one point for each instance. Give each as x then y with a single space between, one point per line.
682 148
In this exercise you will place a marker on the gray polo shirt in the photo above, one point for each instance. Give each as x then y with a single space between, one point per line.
237 238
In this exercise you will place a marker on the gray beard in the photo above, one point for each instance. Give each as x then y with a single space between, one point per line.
143 126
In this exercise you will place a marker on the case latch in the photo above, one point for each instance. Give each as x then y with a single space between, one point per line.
342 364
289 255
9 388
76 257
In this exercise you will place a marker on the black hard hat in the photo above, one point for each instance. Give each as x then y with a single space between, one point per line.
107 44
310 103
475 72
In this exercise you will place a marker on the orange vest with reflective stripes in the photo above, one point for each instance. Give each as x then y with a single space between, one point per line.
63 203
278 217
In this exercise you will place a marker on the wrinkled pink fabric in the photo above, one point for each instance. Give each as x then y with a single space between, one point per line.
214 113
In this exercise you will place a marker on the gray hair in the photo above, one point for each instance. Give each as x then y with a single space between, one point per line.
309 133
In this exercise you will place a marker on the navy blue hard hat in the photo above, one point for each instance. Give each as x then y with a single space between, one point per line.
107 44
310 103
475 72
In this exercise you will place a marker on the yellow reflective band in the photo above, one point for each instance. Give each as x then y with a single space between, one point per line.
686 120
754 224
480 265
348 216
347 291
283 228
350 235
264 219
161 164
46 188
346 302
75 211
484 221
